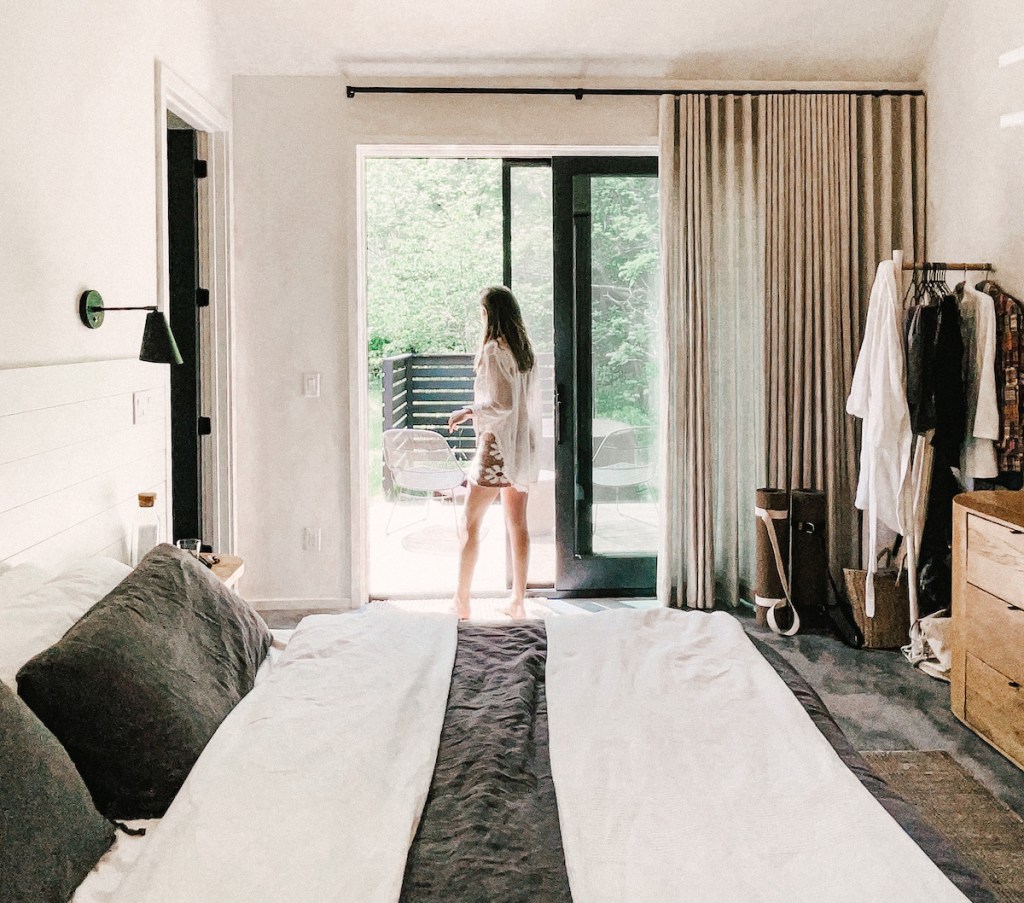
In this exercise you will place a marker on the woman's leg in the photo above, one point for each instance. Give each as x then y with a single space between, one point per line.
478 501
514 503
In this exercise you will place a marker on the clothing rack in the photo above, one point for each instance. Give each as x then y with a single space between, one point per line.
915 651
936 265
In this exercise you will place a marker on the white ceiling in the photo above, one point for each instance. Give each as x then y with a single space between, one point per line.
731 40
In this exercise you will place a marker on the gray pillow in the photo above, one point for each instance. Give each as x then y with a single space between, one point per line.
138 686
50 833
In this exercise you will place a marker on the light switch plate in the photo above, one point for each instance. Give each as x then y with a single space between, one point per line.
311 539
311 385
143 407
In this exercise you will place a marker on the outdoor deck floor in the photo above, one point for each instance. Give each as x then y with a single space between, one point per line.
420 556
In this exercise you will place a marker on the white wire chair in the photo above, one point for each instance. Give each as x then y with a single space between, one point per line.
421 461
626 459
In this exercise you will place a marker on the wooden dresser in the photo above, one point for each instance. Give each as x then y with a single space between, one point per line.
986 691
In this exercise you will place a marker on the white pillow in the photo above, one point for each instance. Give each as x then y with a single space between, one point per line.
17 581
40 617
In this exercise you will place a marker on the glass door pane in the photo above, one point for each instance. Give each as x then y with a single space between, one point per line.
528 256
606 289
624 314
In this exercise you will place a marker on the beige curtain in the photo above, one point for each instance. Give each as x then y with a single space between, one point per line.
845 186
775 211
685 565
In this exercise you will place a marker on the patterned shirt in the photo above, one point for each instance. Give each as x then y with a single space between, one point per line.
1009 371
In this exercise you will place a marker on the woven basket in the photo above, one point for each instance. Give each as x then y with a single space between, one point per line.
890 627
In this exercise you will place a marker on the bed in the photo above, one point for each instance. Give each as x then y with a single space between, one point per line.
384 755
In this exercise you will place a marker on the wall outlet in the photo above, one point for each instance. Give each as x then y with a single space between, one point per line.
311 539
311 385
143 408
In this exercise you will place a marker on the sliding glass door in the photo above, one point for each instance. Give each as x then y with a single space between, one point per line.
577 241
606 249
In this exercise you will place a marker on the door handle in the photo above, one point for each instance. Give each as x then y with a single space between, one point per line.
559 413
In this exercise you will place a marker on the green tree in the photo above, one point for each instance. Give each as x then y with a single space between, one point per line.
434 239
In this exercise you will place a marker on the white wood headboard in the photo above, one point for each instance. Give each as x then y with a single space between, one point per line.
74 454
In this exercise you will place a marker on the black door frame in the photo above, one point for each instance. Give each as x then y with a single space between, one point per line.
579 571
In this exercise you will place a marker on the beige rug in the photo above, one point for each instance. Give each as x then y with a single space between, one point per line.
985 831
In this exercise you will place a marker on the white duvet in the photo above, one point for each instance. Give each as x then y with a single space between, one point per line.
311 789
686 770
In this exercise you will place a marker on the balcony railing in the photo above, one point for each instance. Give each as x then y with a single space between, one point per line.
421 390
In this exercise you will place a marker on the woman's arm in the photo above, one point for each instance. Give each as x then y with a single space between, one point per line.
459 416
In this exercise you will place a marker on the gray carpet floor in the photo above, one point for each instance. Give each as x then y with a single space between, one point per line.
881 702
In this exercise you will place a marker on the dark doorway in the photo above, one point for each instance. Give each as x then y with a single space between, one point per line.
187 424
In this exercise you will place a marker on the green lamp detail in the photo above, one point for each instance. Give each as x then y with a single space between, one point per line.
158 345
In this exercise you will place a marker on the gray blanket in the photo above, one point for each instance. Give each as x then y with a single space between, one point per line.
489 830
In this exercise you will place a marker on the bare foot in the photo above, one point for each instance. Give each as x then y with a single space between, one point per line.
515 610
461 609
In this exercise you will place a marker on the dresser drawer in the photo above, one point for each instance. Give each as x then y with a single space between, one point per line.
995 559
995 708
994 632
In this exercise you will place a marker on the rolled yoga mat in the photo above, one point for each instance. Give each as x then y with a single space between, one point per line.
770 587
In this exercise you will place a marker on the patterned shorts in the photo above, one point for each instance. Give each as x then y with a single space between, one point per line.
488 467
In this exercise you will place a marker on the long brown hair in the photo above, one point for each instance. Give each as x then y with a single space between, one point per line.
505 321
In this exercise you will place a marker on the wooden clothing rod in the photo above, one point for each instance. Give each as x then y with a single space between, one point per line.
938 265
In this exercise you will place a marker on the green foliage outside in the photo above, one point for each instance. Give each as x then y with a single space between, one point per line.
624 250
434 239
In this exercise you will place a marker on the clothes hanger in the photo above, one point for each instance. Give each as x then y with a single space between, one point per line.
929 287
960 290
926 286
985 284
942 284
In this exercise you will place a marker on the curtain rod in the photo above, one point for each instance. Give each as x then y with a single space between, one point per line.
580 93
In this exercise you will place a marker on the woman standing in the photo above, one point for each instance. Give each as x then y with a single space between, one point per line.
506 418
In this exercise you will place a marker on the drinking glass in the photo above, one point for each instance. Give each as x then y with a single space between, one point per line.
190 545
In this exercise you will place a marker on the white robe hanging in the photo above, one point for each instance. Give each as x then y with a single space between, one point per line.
879 397
978 325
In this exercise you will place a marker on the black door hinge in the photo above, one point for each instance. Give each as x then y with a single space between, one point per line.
200 169
205 426
202 297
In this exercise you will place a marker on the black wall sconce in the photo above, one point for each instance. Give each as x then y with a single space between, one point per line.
158 345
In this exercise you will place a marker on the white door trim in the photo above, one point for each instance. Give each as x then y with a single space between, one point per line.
177 96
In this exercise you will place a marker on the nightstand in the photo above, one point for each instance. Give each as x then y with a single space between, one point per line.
229 569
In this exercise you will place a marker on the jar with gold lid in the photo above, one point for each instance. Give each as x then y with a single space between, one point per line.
147 530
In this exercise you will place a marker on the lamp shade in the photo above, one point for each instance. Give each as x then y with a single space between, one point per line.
158 345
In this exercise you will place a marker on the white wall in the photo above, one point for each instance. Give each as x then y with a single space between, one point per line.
291 317
976 168
78 177
296 289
